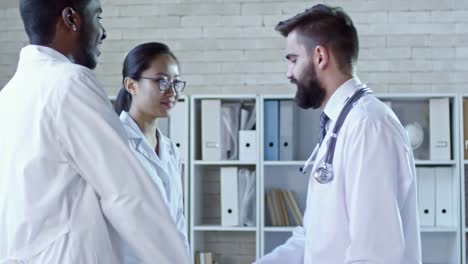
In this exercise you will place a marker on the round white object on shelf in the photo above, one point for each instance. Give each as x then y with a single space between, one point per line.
416 134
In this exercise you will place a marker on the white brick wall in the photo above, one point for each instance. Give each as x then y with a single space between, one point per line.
231 47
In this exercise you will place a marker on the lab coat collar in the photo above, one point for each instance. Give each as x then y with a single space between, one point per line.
36 52
340 96
136 136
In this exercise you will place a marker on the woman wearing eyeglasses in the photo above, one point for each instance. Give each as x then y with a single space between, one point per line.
151 87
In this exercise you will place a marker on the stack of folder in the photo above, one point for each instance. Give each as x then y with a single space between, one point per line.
279 125
237 191
435 196
228 130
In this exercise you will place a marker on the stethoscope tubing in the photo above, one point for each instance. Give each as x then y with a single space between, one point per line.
324 173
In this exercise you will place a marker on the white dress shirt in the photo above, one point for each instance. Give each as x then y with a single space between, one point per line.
368 212
165 170
65 190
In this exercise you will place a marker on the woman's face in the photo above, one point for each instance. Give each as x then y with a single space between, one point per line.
148 98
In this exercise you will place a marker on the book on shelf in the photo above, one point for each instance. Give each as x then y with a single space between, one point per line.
204 258
281 204
284 210
294 207
271 209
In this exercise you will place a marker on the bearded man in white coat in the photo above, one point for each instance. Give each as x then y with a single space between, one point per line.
69 183
364 209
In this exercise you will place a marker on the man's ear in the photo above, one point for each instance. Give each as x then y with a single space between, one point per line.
321 56
71 18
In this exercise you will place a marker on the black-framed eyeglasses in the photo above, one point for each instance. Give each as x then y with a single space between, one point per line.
164 84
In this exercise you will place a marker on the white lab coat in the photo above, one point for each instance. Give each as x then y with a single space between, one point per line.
165 170
368 213
65 190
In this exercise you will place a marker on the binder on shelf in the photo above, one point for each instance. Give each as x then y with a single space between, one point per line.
230 114
178 128
163 126
247 207
426 195
439 133
271 128
211 129
248 145
465 127
286 128
444 196
248 116
229 196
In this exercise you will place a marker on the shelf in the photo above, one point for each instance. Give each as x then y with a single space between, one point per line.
224 96
417 162
435 162
448 229
439 244
412 96
279 97
224 228
279 228
284 163
223 162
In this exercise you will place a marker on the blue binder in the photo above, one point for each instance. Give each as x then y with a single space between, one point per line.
271 130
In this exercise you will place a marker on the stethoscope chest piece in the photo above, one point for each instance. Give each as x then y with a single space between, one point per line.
324 173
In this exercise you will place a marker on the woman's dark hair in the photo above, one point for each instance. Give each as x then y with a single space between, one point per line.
137 61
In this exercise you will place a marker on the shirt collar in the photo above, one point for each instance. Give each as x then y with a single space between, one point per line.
36 52
339 97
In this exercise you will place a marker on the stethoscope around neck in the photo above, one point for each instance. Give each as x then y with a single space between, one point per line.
324 173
